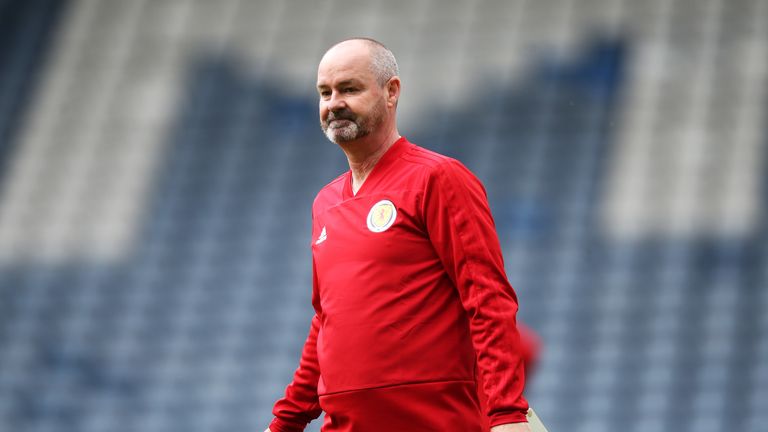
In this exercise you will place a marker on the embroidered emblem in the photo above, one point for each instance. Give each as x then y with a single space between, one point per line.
382 216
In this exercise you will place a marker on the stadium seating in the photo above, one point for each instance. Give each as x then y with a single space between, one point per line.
158 160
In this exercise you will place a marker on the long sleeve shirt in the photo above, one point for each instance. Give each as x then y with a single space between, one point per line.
411 299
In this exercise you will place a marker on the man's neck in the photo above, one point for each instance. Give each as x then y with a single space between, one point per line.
365 153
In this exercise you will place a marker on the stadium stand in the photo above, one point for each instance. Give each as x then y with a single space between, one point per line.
159 159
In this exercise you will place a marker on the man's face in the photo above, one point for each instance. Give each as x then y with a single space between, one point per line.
352 103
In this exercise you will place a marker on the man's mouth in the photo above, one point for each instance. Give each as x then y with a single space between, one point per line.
335 122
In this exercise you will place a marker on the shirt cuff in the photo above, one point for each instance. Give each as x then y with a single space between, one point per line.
279 425
507 417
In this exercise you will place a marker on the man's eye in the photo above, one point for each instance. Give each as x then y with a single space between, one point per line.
350 90
325 93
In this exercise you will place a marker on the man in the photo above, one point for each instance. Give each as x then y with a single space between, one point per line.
409 286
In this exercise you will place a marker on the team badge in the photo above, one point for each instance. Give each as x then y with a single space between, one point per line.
382 216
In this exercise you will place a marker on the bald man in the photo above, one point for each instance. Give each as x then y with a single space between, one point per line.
409 289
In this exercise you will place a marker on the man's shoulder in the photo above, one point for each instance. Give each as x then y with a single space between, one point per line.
434 164
426 158
332 191
335 185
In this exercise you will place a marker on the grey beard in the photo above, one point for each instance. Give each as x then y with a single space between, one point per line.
347 133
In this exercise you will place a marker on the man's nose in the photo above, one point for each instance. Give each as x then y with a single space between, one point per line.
336 102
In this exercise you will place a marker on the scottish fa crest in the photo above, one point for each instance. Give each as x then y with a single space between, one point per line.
382 216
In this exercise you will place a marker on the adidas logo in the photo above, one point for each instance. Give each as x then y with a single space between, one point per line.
323 237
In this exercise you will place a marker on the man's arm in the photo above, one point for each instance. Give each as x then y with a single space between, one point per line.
300 404
461 228
512 427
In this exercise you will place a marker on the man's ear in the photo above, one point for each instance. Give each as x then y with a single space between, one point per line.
393 91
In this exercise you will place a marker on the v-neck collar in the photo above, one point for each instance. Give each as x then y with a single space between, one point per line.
392 154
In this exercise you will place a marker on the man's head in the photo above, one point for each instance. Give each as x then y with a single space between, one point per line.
358 84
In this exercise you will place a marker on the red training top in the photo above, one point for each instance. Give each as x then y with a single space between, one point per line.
410 296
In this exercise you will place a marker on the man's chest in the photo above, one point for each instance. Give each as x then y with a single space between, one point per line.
371 254
373 229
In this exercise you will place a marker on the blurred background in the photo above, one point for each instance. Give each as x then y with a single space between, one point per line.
158 160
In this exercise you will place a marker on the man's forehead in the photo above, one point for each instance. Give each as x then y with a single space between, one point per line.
352 60
342 81
340 75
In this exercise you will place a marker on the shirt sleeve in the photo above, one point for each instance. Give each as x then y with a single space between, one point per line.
301 405
462 231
